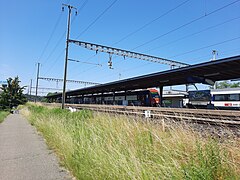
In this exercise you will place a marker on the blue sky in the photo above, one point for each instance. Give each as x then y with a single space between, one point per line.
26 28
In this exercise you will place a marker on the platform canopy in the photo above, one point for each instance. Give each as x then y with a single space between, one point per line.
205 73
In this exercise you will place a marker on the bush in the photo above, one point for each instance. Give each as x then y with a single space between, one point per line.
12 94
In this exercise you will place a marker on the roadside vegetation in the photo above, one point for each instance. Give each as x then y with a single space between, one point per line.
103 146
11 94
3 115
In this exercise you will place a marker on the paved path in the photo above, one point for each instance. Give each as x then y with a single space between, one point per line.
24 154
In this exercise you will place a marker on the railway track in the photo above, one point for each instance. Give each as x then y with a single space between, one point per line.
214 117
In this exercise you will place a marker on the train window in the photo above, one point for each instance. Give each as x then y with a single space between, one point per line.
234 97
219 97
227 97
154 95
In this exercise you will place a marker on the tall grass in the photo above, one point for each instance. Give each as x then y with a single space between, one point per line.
103 146
3 115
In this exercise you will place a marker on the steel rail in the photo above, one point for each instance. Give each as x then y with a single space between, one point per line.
214 117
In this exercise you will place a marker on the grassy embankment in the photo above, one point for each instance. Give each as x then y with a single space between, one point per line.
100 146
3 114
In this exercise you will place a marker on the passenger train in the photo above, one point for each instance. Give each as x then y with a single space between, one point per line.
146 97
226 98
210 99
215 98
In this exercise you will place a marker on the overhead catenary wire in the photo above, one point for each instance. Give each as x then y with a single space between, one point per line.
221 53
90 25
51 35
58 57
198 49
199 58
87 60
55 47
126 53
195 33
229 52
186 24
97 18
125 70
192 34
146 64
201 17
58 42
83 5
236 1
86 70
150 22
164 14
84 62
61 38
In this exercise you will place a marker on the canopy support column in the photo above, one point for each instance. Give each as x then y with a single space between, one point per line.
161 96
113 98
102 98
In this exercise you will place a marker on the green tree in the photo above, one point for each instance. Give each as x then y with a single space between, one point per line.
12 94
48 94
227 84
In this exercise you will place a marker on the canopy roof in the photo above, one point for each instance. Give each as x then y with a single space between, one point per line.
206 73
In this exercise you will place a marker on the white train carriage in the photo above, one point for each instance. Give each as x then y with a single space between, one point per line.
226 98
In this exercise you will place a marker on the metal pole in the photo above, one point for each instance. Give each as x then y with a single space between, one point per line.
38 65
215 53
113 98
171 67
187 87
30 90
161 95
66 57
102 98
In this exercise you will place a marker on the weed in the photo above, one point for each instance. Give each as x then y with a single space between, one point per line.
3 115
103 146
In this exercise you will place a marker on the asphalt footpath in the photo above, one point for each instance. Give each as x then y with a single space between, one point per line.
24 154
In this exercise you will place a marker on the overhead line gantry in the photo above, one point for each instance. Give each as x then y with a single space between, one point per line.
70 81
126 53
